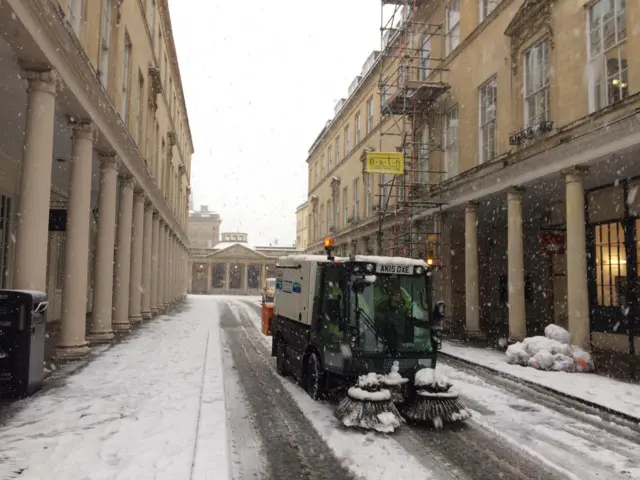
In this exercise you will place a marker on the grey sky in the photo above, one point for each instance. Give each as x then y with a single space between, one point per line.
261 79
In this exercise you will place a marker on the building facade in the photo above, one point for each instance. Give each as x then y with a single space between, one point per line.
302 226
521 173
204 228
95 164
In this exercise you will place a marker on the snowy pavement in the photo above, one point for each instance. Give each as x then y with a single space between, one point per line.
612 394
149 407
195 395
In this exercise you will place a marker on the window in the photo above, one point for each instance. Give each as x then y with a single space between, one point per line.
451 142
488 100
453 25
61 253
536 84
152 20
329 215
384 190
356 200
154 169
368 198
608 73
347 141
486 7
423 166
126 78
105 42
345 206
357 127
425 53
322 230
316 233
611 264
322 167
329 159
140 108
336 213
369 115
74 12
338 150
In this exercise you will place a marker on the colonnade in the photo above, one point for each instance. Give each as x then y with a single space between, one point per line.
140 264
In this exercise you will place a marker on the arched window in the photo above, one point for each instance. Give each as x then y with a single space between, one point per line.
425 53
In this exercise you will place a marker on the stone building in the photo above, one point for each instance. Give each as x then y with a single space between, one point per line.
94 163
520 134
225 263
302 226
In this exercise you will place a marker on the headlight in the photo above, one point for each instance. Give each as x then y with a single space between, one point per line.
419 270
369 267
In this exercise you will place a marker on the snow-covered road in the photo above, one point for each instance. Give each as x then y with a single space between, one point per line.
194 395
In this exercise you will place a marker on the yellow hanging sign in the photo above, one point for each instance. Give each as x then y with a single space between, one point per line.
385 163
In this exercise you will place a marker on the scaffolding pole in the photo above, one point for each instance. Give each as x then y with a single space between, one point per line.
411 85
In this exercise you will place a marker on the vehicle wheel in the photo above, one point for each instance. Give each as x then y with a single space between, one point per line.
314 377
281 358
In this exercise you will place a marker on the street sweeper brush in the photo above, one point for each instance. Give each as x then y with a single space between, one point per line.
369 406
434 401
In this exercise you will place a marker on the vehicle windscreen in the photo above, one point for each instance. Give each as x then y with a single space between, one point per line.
392 315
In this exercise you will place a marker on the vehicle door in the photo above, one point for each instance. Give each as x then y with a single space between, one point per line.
329 308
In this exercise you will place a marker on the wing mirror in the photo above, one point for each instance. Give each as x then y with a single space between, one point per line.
436 330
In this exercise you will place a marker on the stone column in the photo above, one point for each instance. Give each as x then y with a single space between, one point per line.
472 290
147 252
30 263
123 256
245 278
174 260
167 268
155 241
209 267
137 238
576 241
100 330
72 343
515 278
162 264
227 277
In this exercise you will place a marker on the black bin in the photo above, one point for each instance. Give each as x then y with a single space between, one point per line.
22 334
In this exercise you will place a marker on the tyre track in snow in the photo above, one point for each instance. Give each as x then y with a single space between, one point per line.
293 449
462 452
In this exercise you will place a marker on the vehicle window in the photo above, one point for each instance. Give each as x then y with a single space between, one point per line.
332 305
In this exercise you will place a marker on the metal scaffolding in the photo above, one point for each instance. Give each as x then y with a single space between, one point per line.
411 86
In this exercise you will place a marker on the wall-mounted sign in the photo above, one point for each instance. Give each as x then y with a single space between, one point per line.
384 163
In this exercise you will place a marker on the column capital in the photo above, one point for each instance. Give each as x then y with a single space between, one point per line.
162 222
108 160
84 129
515 193
42 79
127 181
148 205
471 206
156 214
139 195
574 172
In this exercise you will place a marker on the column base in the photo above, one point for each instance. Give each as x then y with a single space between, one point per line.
146 315
154 311
75 352
474 334
96 338
135 320
165 307
121 327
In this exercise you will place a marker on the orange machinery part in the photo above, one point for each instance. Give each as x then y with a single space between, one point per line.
267 317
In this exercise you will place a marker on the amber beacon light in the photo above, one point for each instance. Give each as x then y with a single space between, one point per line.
328 246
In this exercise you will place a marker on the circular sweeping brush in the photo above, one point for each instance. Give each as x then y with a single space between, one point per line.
434 401
369 406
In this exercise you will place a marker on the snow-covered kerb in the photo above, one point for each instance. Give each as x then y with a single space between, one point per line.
552 352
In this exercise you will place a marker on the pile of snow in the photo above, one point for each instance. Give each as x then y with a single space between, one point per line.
428 376
552 352
393 378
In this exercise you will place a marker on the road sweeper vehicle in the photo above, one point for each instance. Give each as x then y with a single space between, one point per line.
367 321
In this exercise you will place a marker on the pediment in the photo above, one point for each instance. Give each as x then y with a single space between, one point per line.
238 252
